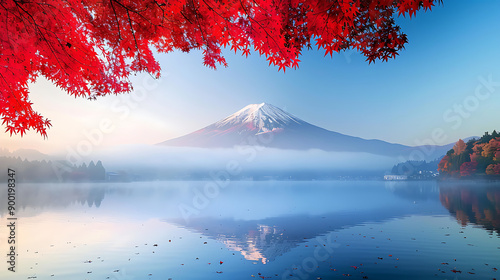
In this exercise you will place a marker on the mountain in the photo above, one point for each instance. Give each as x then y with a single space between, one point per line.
266 125
28 154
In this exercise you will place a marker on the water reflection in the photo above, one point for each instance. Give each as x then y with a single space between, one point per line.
56 196
267 239
473 204
414 190
469 203
255 227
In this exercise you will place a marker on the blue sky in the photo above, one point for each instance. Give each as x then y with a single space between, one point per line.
401 101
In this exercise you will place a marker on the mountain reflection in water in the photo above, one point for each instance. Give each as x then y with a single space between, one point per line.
266 227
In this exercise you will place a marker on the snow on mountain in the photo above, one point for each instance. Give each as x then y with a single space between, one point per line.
241 128
261 117
266 125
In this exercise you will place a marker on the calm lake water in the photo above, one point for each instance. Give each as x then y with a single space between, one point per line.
255 230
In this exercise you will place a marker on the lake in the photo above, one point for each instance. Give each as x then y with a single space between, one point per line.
255 230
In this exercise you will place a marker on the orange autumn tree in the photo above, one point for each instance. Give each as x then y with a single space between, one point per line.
451 163
89 48
493 169
444 164
459 147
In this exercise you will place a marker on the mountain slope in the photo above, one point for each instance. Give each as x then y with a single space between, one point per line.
266 125
28 154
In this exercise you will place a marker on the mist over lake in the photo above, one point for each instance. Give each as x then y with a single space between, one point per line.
160 162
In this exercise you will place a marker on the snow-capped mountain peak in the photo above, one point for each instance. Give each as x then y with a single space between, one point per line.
262 117
276 128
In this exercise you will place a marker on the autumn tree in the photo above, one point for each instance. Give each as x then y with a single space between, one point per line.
459 147
89 48
454 159
468 168
444 164
491 148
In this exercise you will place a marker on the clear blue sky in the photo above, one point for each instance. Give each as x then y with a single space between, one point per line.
399 101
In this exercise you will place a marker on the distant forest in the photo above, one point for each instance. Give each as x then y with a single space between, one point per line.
415 169
51 171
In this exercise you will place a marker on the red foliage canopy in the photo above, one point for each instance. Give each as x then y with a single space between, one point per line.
89 48
468 168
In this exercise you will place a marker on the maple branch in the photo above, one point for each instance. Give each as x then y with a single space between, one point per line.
162 10
265 30
116 19
37 28
213 11
198 22
63 43
224 18
136 12
11 90
184 16
135 39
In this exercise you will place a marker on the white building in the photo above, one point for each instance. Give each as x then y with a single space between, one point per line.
395 177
